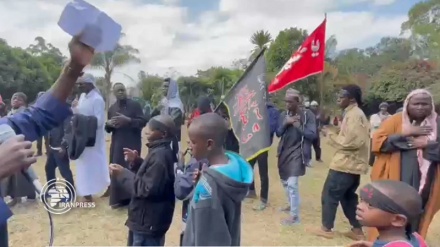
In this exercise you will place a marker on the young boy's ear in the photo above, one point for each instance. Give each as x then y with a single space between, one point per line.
210 145
399 220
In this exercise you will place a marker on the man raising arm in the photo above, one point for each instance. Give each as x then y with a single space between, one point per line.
49 111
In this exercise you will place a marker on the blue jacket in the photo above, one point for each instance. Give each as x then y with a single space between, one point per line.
183 183
274 116
47 113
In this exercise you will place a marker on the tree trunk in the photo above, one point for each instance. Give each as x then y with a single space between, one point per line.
108 85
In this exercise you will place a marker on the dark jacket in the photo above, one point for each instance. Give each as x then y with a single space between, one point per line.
59 136
294 147
151 185
184 185
274 118
231 142
83 135
214 217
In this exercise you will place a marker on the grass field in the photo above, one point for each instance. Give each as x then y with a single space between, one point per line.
102 226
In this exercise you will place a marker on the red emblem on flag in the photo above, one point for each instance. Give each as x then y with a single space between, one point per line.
306 61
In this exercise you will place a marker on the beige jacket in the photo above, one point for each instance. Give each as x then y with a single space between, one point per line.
351 143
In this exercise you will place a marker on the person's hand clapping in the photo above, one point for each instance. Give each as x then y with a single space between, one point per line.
120 120
116 169
110 123
130 155
16 155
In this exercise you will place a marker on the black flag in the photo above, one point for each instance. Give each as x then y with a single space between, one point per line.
246 103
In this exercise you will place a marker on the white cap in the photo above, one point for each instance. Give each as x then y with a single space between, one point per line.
314 103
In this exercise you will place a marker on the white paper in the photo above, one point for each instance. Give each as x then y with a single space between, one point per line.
97 29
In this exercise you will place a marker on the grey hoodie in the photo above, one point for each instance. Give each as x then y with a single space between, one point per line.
214 217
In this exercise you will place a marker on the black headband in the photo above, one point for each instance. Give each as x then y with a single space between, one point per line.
377 199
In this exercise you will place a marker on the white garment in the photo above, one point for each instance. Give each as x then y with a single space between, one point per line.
375 122
92 172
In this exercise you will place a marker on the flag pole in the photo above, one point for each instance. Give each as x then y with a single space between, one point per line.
321 78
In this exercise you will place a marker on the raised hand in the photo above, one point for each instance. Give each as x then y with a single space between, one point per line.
80 54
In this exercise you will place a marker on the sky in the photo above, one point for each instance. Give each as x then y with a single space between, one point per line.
178 37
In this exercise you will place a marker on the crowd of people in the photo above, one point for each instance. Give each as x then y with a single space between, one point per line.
403 150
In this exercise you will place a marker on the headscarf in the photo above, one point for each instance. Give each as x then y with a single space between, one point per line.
172 100
89 78
431 121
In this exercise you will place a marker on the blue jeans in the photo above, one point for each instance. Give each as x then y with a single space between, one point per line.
140 239
291 187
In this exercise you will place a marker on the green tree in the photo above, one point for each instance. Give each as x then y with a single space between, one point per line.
109 61
49 56
424 25
191 87
260 39
150 86
283 46
219 79
20 71
393 83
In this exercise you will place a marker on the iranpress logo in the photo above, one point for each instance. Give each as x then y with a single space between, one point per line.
59 197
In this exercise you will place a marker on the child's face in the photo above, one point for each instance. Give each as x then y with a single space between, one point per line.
370 216
154 135
200 147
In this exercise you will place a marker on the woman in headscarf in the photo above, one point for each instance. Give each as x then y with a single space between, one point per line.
171 105
407 149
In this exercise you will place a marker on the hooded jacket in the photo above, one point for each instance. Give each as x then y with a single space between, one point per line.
214 217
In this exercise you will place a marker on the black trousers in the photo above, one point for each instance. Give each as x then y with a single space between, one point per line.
372 156
55 160
340 187
317 147
40 145
4 235
262 160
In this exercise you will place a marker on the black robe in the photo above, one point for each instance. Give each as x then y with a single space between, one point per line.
129 136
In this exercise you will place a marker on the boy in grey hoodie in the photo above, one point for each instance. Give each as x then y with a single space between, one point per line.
214 217
184 183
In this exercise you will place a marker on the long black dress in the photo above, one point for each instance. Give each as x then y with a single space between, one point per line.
129 136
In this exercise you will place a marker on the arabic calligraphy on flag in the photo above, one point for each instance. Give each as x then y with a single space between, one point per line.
246 103
308 60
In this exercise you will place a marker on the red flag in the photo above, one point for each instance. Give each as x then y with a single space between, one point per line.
306 61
